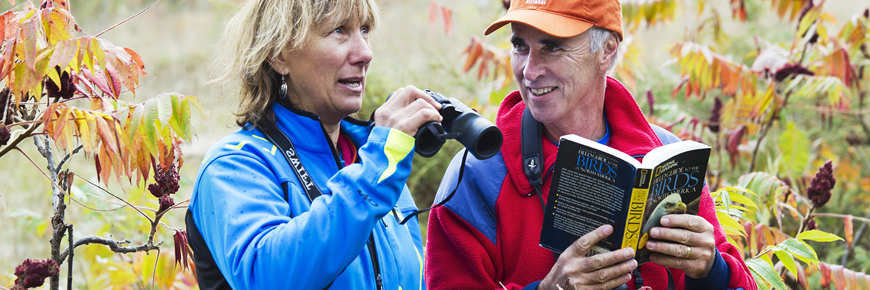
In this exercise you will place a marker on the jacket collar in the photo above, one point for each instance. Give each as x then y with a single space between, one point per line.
630 131
306 131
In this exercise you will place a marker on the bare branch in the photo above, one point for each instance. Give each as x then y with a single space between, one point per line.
128 18
113 245
12 144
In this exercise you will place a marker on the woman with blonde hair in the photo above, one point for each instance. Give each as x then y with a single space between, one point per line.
304 196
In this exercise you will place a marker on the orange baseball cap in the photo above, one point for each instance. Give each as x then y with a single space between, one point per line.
563 18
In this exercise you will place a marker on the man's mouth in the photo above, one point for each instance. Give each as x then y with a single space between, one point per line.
541 91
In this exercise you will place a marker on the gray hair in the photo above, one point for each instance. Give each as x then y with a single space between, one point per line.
597 37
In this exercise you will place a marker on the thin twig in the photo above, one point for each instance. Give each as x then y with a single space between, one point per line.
113 245
843 216
121 199
68 155
58 186
128 18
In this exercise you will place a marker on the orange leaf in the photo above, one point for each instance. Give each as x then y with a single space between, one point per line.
107 134
848 229
448 24
433 14
838 277
475 53
826 275
760 237
61 134
136 58
851 280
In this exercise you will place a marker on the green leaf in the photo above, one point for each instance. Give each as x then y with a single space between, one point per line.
148 125
164 108
766 272
818 236
730 225
787 261
794 147
800 250
744 200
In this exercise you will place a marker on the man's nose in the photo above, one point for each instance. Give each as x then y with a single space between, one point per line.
534 67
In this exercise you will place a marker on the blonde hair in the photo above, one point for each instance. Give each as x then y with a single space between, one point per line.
258 32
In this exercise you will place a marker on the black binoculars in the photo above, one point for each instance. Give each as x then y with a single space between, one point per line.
462 123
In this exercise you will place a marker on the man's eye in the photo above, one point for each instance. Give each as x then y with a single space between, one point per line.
519 47
364 29
550 48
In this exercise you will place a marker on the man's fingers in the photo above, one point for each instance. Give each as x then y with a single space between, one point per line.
580 247
609 273
690 222
678 235
618 281
605 260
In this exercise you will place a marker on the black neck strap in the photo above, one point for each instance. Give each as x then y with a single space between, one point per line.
283 142
532 150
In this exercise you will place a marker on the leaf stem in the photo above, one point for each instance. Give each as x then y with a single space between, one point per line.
128 18
843 216
12 144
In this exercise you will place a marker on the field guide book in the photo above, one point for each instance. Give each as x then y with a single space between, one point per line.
595 185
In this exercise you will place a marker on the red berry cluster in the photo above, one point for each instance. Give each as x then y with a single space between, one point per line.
820 187
32 273
6 115
811 225
166 183
66 89
715 113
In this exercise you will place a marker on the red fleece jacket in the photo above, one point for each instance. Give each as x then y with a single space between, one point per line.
460 256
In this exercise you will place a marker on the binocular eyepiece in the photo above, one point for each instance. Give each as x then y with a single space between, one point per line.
460 122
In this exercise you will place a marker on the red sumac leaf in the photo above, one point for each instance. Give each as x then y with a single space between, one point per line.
838 277
825 279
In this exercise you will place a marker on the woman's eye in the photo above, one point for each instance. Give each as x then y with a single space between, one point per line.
337 30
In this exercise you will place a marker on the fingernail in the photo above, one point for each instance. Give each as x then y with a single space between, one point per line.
628 253
633 264
654 232
608 229
651 245
666 221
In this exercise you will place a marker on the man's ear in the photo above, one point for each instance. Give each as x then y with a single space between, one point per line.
610 50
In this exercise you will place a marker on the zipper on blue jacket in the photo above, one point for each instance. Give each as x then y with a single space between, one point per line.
373 252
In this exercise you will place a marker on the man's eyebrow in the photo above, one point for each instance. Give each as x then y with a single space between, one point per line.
517 40
551 42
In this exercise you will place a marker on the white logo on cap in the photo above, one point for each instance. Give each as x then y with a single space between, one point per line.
536 2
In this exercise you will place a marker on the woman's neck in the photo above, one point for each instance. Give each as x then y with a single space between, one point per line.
332 130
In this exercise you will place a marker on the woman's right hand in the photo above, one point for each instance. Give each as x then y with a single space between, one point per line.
605 271
407 109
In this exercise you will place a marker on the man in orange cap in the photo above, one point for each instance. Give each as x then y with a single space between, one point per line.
487 236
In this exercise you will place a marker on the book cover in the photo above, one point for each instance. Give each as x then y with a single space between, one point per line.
595 185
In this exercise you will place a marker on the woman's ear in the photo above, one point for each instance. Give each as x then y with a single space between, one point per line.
609 52
279 63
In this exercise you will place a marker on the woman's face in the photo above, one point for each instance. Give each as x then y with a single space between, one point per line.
326 75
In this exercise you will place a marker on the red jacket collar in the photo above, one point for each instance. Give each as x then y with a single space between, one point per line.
630 131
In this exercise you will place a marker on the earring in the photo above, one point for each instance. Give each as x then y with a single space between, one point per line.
283 88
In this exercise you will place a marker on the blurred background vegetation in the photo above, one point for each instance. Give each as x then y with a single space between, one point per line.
415 45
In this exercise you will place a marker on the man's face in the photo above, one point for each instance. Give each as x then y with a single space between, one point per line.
554 75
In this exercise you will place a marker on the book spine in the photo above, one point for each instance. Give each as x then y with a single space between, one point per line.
636 207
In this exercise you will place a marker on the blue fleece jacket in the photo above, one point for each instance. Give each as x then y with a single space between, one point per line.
260 241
